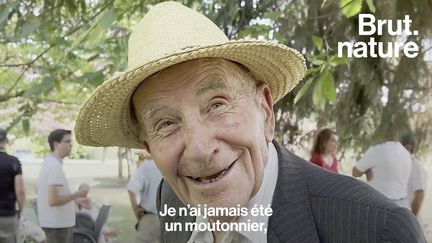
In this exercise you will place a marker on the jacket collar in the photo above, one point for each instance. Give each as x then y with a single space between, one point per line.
171 200
292 211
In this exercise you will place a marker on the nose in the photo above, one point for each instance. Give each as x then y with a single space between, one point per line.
200 142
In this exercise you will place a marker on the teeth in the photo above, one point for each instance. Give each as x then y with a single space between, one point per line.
205 180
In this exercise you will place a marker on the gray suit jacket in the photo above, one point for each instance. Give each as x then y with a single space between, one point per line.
314 205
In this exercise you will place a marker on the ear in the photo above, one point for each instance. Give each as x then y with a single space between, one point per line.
267 105
55 145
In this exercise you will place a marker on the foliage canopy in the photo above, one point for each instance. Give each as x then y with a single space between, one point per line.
54 53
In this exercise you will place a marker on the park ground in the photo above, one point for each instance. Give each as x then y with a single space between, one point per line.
106 188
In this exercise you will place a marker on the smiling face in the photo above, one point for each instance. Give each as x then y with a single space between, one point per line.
207 125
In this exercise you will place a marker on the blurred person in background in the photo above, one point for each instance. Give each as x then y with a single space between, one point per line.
55 202
417 182
86 205
11 192
324 150
142 189
387 168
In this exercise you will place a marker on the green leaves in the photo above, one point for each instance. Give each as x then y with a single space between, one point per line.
97 28
107 19
350 7
27 29
273 15
325 88
318 42
318 97
27 111
303 90
328 88
26 125
6 10
92 78
40 89
254 31
353 7
39 69
334 60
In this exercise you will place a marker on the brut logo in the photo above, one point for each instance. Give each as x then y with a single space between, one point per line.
369 26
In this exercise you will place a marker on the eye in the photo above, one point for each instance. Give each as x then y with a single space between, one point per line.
163 124
216 104
167 123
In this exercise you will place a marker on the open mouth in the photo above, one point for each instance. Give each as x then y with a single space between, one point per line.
213 178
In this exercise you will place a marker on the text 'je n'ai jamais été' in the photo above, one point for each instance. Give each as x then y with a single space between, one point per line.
370 26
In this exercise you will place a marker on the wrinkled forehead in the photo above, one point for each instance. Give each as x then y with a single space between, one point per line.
199 75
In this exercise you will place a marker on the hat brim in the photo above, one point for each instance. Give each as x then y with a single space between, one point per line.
107 119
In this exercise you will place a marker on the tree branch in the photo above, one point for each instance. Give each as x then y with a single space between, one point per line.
59 102
17 81
430 48
32 61
27 65
8 97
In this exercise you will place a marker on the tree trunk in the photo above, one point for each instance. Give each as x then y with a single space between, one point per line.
129 162
120 163
104 152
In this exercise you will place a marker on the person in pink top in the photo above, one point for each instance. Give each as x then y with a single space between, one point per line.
324 150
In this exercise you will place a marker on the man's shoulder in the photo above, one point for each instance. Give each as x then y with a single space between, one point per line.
391 147
10 163
147 165
9 158
51 161
321 183
50 164
150 171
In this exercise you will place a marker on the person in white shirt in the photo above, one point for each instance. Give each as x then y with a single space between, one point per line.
387 167
418 177
143 185
55 202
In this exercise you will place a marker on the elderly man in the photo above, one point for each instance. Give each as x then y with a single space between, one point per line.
202 105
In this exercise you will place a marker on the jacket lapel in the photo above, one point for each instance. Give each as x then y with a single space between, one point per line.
292 219
171 200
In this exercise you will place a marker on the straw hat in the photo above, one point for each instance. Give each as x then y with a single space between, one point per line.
171 33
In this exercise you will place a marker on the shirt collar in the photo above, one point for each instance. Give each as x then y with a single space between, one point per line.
263 197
